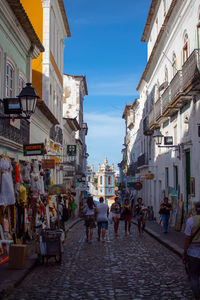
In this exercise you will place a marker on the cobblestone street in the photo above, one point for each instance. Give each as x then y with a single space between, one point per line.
127 267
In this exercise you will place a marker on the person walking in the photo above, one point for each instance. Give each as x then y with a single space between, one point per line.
102 212
191 255
164 212
89 210
127 212
116 210
140 211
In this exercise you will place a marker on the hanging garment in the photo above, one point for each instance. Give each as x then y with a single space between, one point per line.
7 196
17 172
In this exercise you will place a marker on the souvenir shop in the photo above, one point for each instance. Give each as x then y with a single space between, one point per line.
27 204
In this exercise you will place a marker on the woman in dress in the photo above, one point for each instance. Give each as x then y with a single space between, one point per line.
89 209
127 212
116 210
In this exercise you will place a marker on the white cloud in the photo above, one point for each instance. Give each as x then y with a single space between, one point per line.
105 137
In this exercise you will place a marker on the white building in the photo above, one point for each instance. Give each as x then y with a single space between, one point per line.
169 89
74 91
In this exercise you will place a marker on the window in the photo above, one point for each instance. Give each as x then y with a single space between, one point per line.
101 181
176 177
164 8
157 26
109 179
88 178
21 83
9 80
166 74
175 135
174 69
198 31
185 48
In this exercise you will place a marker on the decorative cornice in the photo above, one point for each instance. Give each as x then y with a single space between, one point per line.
149 19
157 41
24 21
62 9
46 111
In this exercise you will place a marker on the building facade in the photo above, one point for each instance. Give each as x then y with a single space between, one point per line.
50 22
19 45
169 91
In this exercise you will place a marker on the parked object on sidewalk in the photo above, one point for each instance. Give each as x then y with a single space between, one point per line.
164 211
17 256
191 255
51 245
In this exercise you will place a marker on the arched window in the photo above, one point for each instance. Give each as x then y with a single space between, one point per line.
174 69
101 180
9 80
166 74
185 47
109 179
21 83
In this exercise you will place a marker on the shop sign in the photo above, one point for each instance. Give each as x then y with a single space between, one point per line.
56 189
130 184
168 140
33 149
12 106
137 185
149 176
71 150
48 164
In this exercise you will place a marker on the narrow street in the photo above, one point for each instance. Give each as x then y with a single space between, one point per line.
127 267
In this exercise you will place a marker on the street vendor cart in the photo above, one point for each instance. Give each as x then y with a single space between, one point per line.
50 245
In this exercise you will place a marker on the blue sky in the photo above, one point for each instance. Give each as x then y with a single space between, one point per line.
105 46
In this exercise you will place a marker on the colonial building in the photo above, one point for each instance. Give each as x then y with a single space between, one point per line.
169 91
19 45
105 181
75 89
50 22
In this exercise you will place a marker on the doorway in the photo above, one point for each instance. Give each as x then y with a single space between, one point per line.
187 176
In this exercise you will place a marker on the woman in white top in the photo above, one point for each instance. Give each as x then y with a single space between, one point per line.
89 209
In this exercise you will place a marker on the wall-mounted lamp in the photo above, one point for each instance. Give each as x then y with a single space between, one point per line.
25 104
158 136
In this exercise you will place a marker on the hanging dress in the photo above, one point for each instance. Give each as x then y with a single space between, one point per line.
7 196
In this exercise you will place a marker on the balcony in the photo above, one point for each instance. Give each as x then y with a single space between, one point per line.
132 169
190 73
142 161
20 136
152 119
146 130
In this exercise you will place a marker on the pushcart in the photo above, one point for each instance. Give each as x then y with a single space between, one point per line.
50 245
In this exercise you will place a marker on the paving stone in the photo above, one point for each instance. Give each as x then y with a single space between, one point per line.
123 268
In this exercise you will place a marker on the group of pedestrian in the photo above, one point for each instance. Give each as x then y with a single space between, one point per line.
99 213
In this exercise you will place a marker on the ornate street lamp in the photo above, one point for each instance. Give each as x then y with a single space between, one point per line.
158 137
28 99
25 104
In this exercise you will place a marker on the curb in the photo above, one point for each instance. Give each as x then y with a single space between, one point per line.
168 244
8 290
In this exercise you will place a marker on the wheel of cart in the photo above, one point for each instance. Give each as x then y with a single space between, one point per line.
51 245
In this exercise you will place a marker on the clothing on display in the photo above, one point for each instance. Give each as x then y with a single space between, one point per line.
7 196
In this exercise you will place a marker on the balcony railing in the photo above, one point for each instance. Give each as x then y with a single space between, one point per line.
20 136
190 69
166 98
184 84
142 160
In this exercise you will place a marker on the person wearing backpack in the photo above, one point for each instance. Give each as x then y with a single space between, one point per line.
191 255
